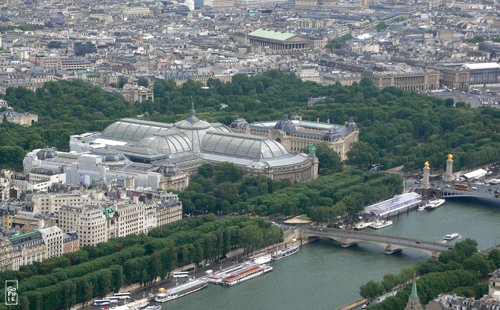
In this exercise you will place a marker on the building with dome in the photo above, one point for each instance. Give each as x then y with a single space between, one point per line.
11 116
136 153
296 134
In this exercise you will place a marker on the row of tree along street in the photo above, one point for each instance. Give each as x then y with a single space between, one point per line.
61 282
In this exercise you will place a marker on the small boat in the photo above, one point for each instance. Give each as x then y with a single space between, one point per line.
181 290
422 208
452 236
262 259
433 204
381 224
285 252
362 225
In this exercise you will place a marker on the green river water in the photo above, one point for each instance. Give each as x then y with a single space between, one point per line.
325 276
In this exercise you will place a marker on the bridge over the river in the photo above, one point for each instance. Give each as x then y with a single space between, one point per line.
392 244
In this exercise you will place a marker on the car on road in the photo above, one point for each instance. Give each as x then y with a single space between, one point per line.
418 242
474 188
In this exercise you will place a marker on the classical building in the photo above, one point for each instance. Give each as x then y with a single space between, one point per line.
6 254
168 211
296 134
89 222
483 73
29 248
136 93
162 156
283 42
413 79
11 116
455 78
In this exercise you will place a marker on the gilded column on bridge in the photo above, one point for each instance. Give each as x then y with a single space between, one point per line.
448 176
427 173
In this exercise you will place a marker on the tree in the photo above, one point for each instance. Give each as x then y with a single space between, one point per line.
250 237
206 170
117 277
479 263
329 160
381 26
371 290
88 290
69 294
155 265
143 81
227 172
362 155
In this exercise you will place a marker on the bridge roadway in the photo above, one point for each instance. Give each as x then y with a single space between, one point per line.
393 244
443 189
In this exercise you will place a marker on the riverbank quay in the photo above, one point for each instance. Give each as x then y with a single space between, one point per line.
233 258
353 305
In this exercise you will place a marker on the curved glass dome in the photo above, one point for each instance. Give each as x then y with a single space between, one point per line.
194 128
242 146
133 130
166 144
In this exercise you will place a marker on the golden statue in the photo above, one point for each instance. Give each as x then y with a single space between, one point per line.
426 164
450 157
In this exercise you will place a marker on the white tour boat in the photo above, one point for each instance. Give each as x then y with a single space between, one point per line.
435 203
181 290
452 236
381 224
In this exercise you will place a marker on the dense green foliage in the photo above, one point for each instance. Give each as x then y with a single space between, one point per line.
339 42
381 26
479 39
95 271
396 128
64 108
24 27
459 271
223 189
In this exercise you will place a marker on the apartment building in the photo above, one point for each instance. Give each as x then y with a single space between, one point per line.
6 254
52 202
28 248
88 221
53 239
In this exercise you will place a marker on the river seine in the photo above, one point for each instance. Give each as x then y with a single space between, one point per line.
325 276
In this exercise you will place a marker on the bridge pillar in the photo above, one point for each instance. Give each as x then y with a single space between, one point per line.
425 179
448 175
389 249
346 242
